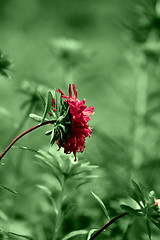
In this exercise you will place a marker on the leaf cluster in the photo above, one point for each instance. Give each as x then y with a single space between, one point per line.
147 207
60 166
61 118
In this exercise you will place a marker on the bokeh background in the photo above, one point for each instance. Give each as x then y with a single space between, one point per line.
111 51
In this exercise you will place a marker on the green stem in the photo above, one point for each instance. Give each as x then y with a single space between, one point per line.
107 225
23 134
59 212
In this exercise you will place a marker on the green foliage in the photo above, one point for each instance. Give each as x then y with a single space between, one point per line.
121 80
146 201
61 166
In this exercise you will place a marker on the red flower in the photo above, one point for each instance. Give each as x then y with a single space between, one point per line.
80 115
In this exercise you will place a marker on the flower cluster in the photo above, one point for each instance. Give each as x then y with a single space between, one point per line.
80 115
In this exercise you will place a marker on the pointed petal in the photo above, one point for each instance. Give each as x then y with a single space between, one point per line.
70 91
75 92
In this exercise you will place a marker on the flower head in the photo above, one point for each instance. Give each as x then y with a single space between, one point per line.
79 130
69 117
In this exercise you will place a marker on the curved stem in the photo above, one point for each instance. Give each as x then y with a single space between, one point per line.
24 133
107 225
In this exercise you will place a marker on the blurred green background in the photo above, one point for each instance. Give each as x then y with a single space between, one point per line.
111 51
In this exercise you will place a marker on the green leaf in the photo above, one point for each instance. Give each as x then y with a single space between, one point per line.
91 232
47 106
75 233
130 210
21 236
48 193
134 196
157 224
8 189
101 204
48 132
36 117
138 191
54 135
44 189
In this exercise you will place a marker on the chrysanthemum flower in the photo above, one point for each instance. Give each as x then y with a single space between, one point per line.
80 115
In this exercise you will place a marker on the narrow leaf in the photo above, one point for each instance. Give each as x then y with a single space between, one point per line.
47 106
130 210
8 189
21 236
149 230
101 204
45 189
91 232
125 236
48 132
138 191
35 117
75 233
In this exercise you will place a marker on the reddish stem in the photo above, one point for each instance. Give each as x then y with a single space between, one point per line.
24 133
107 225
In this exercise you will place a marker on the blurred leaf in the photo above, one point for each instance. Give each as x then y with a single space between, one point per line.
20 235
4 65
101 204
3 216
37 118
138 191
8 189
75 233
157 224
130 210
125 236
45 189
45 160
149 230
91 232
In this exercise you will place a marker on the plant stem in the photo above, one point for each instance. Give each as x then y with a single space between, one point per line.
59 217
107 225
24 133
